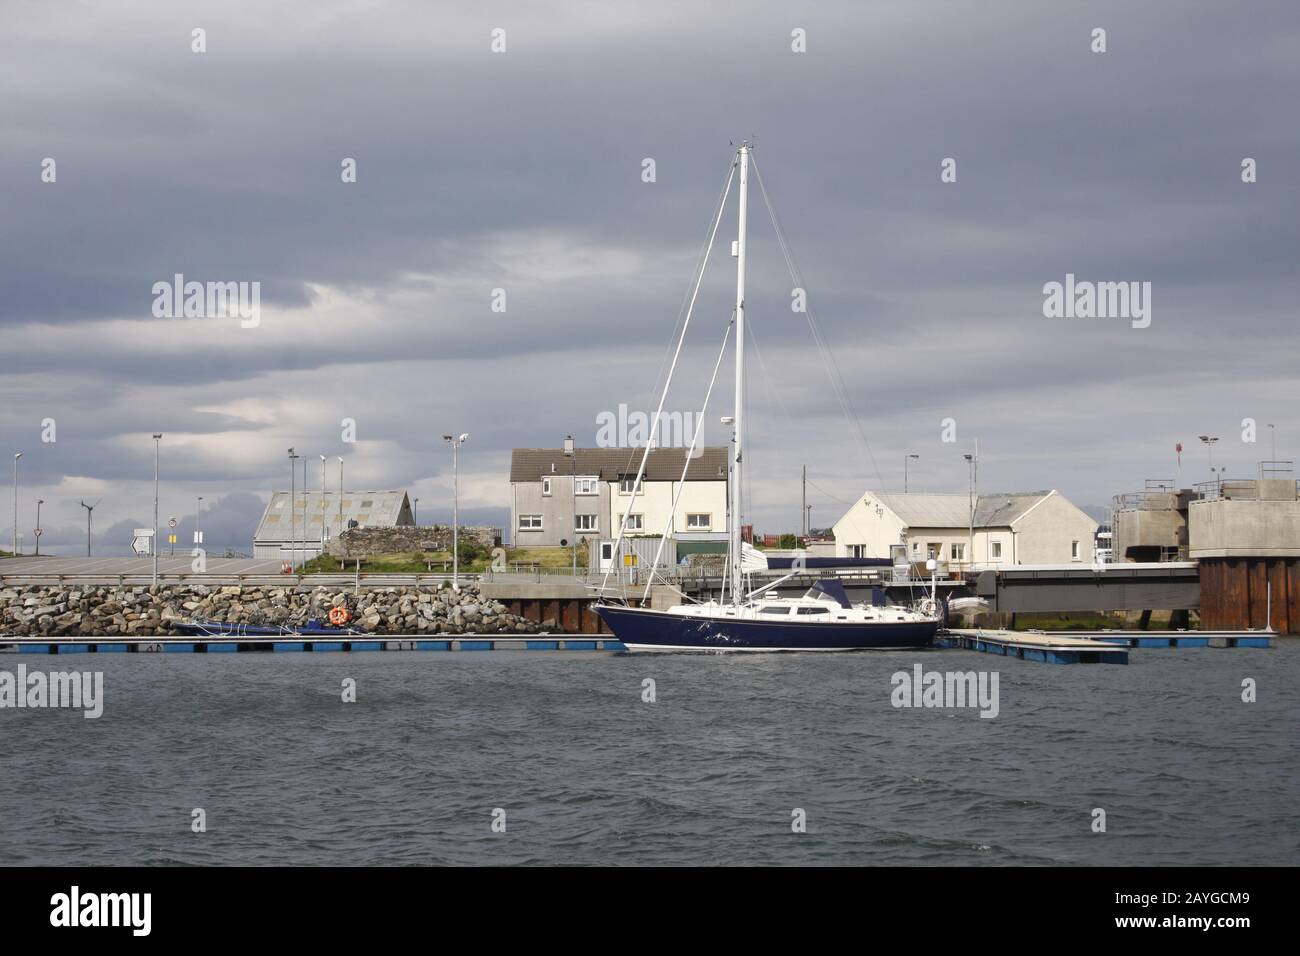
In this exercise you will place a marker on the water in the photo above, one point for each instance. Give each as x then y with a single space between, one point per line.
710 773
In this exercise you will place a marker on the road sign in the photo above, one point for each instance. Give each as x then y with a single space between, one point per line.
39 532
143 540
171 539
198 537
171 522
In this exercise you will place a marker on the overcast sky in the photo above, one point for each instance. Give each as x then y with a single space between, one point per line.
523 170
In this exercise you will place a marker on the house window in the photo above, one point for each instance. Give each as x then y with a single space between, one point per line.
634 522
1074 551
934 549
857 551
626 484
546 486
958 552
585 523
997 549
586 486
698 522
916 547
530 522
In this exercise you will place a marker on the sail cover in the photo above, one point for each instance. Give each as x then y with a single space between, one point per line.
751 559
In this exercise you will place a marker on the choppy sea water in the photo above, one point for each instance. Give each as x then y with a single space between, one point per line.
709 773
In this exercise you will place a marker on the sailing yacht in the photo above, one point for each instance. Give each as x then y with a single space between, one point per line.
823 618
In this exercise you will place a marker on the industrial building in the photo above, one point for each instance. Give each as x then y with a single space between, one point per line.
318 516
1244 536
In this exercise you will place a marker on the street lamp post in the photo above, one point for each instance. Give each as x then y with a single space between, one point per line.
1209 445
1272 443
293 495
417 512
974 460
324 528
39 502
455 443
906 459
157 444
341 528
198 525
16 457
573 496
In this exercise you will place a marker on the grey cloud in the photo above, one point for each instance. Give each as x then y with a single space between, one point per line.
1118 166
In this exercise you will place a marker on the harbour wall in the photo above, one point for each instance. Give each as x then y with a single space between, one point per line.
42 611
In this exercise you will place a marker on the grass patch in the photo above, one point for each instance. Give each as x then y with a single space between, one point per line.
473 560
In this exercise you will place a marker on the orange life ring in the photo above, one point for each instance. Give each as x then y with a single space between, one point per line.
339 616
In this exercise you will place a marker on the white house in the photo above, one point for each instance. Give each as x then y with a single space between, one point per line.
1036 527
556 496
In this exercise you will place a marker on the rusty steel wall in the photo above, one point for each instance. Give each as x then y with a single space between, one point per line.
572 615
1235 593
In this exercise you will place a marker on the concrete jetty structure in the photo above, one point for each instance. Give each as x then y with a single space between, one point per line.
1241 536
1245 536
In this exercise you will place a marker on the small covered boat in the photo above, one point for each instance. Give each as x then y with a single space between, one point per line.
313 628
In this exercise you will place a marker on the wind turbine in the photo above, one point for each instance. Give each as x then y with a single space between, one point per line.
89 509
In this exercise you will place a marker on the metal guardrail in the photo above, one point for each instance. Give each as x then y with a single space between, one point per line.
1209 490
373 579
1150 500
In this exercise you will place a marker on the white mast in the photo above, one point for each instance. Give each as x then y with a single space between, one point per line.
737 593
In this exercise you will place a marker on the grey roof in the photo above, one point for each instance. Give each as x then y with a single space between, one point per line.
925 510
370 509
664 464
1000 510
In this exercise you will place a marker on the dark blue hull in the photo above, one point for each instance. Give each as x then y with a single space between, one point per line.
640 629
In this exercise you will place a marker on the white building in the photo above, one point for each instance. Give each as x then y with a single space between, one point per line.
319 516
554 496
1038 527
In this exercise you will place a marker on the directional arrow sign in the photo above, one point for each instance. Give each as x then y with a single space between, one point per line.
143 539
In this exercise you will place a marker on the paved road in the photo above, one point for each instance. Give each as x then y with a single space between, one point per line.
266 572
35 570
114 566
